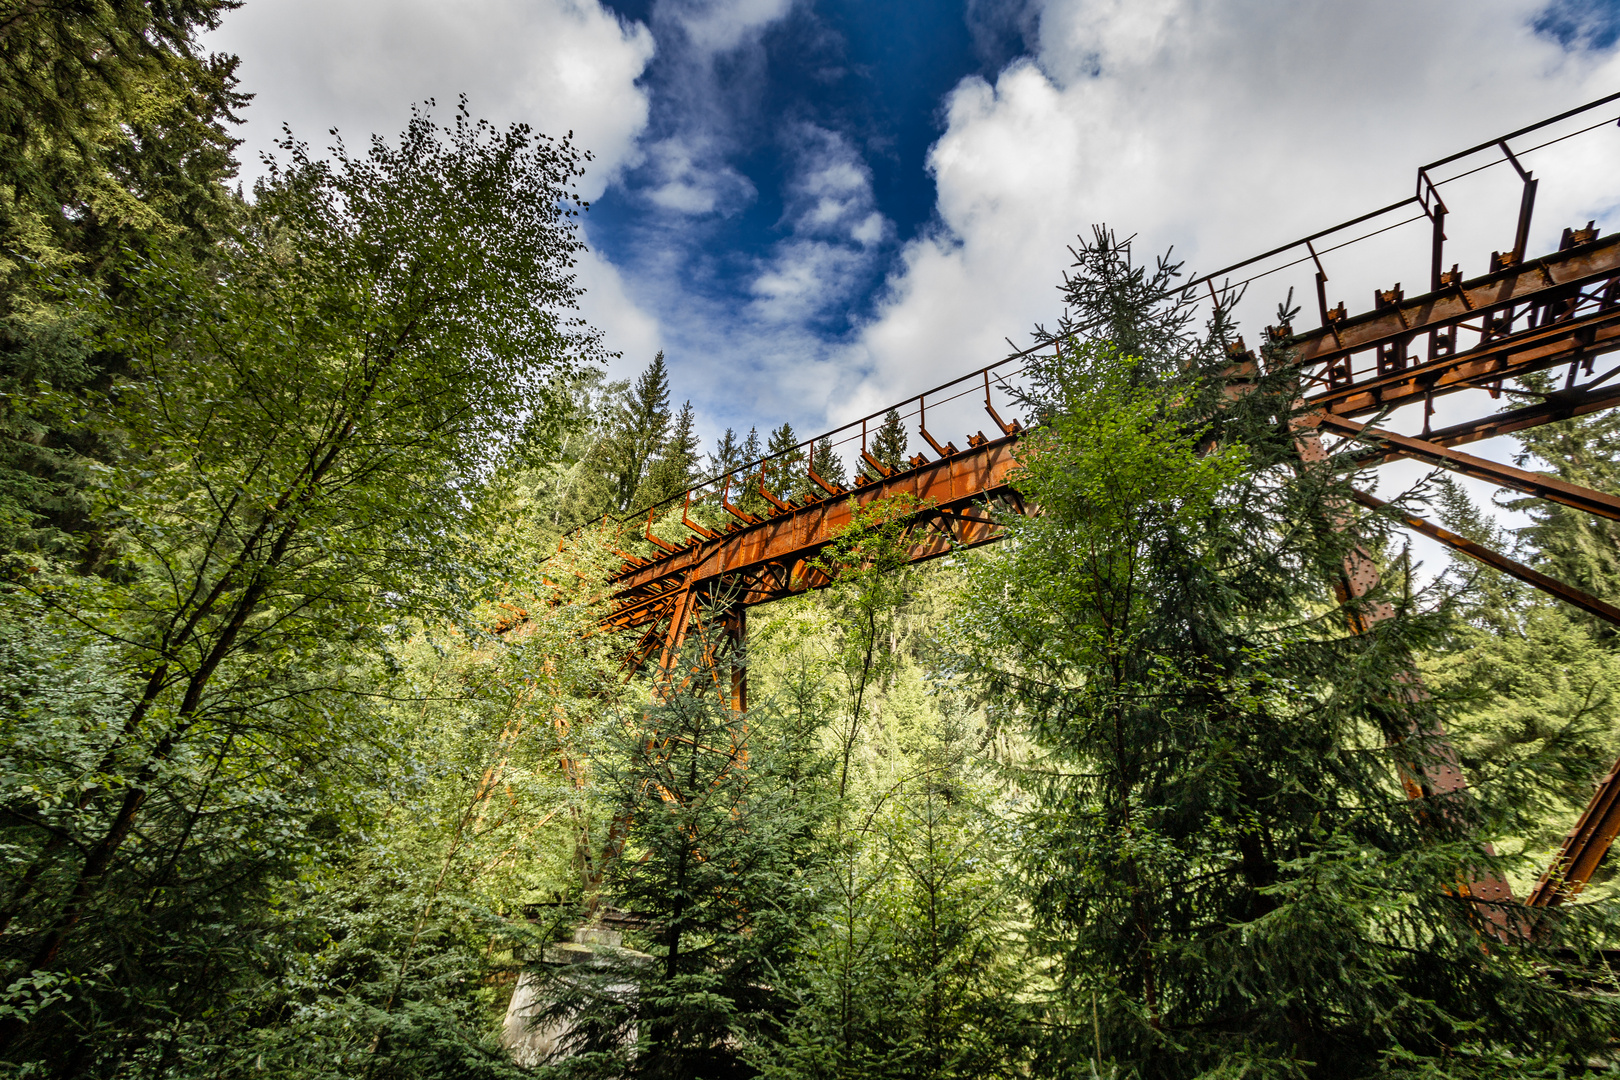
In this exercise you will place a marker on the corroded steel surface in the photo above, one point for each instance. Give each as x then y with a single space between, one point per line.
1527 318
775 556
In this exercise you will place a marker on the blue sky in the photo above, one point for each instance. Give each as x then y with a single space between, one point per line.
817 206
830 84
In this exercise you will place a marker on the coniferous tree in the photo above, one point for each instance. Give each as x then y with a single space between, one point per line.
675 468
828 465
1225 871
718 843
889 444
1524 671
727 454
784 473
1570 545
745 485
641 431
114 144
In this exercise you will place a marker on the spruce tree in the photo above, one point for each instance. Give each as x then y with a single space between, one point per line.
784 473
745 485
1570 545
1524 671
114 144
1224 869
727 454
718 859
675 468
828 465
641 431
889 444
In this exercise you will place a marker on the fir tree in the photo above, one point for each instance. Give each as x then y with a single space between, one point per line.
889 444
1525 671
114 140
784 473
828 465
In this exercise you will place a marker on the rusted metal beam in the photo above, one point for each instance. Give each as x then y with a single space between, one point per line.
1476 369
1513 568
1527 317
1557 406
789 541
1436 772
1544 487
1586 844
1582 265
1584 847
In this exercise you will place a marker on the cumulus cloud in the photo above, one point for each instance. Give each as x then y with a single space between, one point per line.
359 66
1223 129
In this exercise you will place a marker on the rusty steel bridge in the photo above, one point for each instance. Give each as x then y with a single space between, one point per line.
1558 312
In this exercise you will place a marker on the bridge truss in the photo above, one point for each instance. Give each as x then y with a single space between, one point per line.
1556 313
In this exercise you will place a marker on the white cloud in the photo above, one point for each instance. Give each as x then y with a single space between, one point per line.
834 228
629 329
1223 129
830 192
685 186
359 65
720 26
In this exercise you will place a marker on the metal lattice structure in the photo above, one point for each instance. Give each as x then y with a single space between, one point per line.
1558 312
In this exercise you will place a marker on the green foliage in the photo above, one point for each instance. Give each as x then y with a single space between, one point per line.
1528 675
1222 857
727 454
785 474
112 138
676 467
309 760
826 462
873 574
305 432
715 851
110 123
640 433
1577 548
909 967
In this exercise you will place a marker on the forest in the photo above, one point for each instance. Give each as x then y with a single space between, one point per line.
313 754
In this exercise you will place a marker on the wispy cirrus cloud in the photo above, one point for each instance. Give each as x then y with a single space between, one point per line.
836 235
